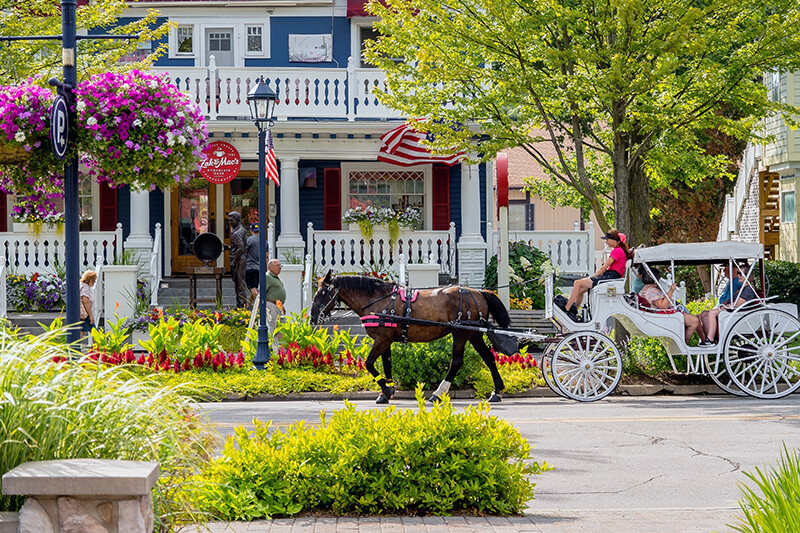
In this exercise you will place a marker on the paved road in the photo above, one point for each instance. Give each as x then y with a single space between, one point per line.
622 464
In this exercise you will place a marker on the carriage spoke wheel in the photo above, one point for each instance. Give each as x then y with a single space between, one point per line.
586 366
547 370
715 367
762 353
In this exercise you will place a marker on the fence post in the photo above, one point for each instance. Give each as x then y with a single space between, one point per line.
156 272
401 269
212 87
99 260
118 242
308 278
352 90
3 300
451 251
271 241
590 247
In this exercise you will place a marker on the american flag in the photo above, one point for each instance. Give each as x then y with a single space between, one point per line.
401 146
272 166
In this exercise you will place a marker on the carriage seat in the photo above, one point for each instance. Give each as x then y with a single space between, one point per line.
619 283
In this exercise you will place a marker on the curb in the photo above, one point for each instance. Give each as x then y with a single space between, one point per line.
469 394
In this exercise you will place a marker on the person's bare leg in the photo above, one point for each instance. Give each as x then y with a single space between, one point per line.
579 288
711 323
691 324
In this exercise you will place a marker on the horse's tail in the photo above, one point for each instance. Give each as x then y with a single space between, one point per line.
497 309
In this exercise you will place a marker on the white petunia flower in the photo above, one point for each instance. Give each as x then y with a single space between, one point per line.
524 262
137 123
20 137
81 105
91 121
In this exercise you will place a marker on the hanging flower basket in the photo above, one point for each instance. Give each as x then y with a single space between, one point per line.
136 129
28 167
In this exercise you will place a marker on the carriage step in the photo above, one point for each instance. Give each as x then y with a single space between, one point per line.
531 320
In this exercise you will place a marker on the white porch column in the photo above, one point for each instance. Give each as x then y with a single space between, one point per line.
139 240
290 245
471 246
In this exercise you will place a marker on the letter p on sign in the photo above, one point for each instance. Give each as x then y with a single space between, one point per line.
59 127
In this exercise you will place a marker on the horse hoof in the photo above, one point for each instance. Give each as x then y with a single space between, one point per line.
382 399
388 393
435 399
495 398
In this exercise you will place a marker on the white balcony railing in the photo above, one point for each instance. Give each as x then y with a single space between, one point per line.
348 251
302 92
571 252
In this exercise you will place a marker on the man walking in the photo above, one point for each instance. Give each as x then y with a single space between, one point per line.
251 274
275 295
238 258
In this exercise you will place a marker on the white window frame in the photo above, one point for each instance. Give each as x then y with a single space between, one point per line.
376 166
246 36
355 38
173 42
237 25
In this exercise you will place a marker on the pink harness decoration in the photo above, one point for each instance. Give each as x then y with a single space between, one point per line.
374 321
403 294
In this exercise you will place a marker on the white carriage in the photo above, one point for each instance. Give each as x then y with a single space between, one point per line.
758 352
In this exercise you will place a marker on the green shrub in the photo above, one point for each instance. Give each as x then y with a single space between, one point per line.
525 265
374 461
646 355
54 410
783 281
775 506
231 337
429 362
515 378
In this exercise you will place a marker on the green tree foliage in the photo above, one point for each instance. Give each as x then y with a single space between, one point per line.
22 59
617 87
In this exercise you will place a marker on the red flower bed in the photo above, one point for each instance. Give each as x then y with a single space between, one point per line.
164 363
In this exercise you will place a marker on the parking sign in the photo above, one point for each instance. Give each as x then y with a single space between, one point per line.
59 127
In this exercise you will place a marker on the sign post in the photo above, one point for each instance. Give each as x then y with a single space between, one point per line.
503 290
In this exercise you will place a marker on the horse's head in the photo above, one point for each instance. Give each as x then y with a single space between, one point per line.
325 299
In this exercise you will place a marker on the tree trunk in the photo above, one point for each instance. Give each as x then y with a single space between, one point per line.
705 277
639 206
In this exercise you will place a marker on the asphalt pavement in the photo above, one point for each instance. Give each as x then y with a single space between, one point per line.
624 464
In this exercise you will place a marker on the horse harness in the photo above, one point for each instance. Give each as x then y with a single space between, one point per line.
389 319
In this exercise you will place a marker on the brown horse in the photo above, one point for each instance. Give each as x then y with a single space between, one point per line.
378 303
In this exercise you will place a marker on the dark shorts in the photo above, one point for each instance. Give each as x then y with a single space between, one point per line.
251 277
87 325
608 274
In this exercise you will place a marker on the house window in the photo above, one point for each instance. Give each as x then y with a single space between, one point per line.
366 33
395 189
219 41
185 36
255 39
85 203
787 206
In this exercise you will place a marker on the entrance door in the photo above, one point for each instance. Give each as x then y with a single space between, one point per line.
193 213
219 43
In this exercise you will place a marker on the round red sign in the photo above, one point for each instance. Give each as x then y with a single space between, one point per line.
222 162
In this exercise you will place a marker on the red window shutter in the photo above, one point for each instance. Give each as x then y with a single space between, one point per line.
441 198
332 192
3 212
108 208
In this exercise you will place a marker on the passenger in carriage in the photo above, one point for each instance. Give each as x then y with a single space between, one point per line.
659 300
613 268
731 293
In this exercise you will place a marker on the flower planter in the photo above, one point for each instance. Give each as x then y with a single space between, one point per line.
35 229
13 154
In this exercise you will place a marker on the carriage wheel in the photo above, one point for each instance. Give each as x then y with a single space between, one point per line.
547 370
586 366
762 353
715 366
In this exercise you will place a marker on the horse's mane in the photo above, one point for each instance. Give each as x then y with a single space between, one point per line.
367 284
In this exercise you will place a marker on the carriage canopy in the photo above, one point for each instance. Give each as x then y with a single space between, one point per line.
699 253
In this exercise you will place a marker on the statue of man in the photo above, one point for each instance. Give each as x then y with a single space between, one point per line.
238 258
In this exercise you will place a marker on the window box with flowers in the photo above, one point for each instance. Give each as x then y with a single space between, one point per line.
367 218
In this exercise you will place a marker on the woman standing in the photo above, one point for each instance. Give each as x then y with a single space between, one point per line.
613 268
88 280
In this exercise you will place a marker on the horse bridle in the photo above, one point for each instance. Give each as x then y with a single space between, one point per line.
326 308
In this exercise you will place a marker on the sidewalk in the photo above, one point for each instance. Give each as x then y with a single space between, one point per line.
611 521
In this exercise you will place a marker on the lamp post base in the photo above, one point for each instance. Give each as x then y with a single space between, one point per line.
262 356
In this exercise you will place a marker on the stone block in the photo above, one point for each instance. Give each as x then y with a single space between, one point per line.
33 518
74 517
9 522
81 477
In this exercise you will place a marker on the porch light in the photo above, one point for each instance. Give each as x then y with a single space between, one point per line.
261 100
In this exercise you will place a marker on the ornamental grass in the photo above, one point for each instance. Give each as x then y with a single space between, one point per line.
68 410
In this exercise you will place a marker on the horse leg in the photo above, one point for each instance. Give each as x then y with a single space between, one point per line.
486 354
386 383
380 347
459 343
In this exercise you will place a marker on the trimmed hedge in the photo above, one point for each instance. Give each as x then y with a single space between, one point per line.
428 461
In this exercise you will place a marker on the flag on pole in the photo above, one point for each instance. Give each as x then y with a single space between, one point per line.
401 146
272 165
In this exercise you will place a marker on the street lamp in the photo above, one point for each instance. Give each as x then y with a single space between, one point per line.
261 101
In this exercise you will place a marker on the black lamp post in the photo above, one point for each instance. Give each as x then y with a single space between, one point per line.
261 101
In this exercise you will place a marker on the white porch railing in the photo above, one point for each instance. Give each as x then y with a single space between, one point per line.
735 203
302 92
347 251
98 290
26 253
3 289
156 268
571 252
